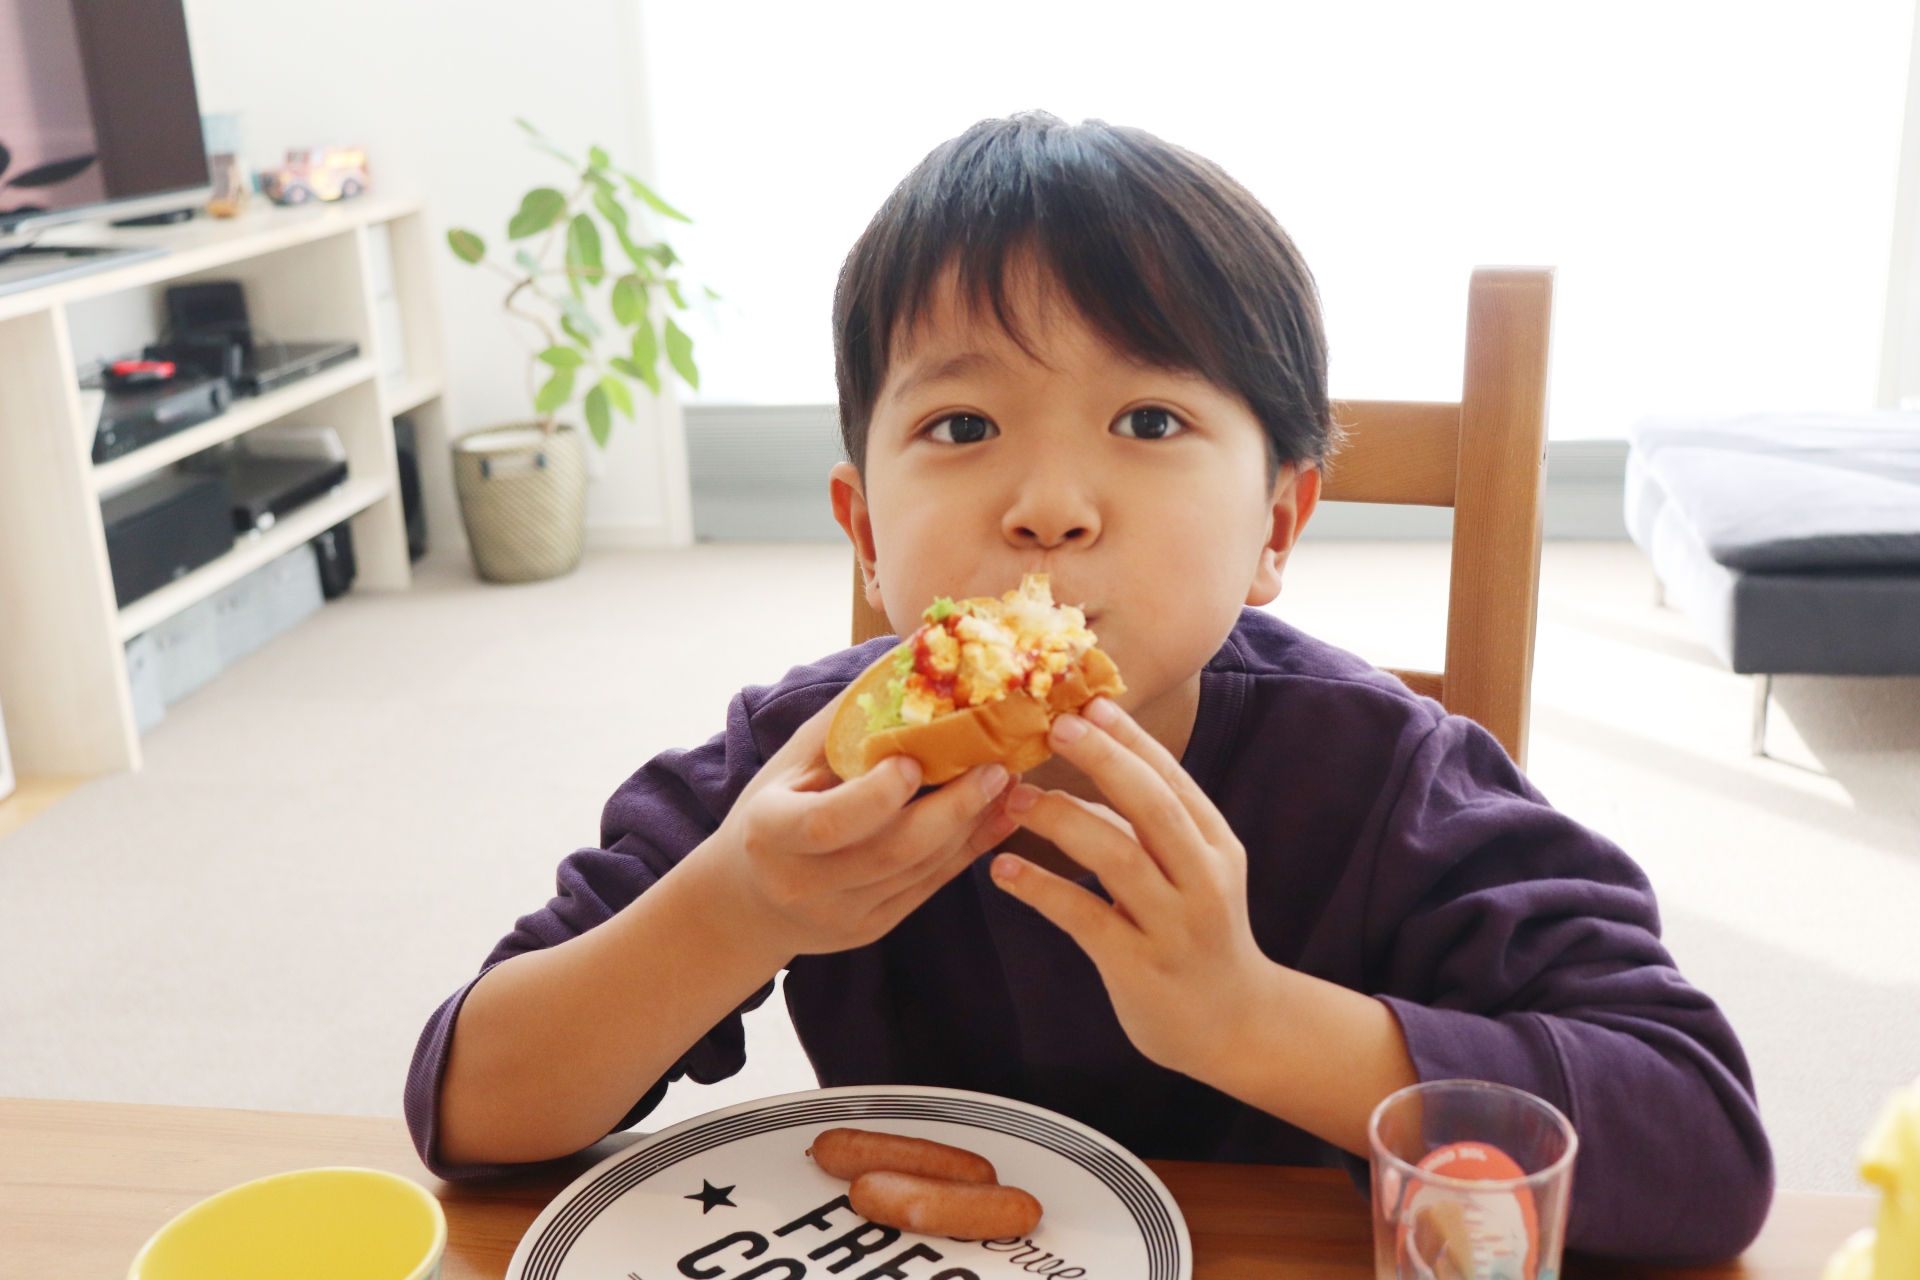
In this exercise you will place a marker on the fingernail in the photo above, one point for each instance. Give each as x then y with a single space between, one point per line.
909 769
1022 798
1102 711
1069 729
1006 868
992 779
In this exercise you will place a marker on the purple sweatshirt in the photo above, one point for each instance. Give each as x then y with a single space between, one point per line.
1391 848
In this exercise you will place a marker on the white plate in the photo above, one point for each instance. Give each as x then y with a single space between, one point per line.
640 1214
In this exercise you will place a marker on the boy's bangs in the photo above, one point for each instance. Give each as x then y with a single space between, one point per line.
1167 258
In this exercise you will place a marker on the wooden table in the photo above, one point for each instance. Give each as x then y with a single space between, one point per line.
83 1184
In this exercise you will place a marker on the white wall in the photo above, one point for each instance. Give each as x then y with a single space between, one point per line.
432 87
1714 178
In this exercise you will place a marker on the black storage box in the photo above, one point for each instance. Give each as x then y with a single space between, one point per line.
165 528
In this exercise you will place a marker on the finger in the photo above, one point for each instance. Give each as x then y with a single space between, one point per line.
915 885
1107 715
1128 871
823 821
1164 822
988 829
1081 915
942 818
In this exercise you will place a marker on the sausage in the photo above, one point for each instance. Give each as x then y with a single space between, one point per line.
848 1153
940 1207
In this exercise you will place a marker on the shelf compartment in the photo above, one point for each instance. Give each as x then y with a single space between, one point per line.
250 551
409 394
244 416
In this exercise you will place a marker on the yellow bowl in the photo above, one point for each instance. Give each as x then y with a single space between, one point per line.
312 1224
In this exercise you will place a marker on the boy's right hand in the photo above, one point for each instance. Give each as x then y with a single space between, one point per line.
812 864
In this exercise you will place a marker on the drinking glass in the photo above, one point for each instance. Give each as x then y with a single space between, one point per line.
1470 1182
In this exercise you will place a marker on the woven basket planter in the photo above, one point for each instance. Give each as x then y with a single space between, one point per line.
523 499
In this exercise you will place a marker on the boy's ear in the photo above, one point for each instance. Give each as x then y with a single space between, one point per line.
849 495
1296 493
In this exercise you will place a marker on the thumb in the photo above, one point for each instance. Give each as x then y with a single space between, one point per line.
1083 916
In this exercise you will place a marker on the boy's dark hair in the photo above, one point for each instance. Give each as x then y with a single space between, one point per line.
1168 258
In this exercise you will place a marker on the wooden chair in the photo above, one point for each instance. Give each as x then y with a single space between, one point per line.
1485 457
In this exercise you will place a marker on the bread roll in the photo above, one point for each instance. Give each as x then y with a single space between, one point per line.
1005 650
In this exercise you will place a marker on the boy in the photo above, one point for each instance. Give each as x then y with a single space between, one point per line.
1266 890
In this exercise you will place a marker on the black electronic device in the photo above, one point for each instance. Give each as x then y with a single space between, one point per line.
334 552
406 452
108 122
275 364
262 490
208 328
163 528
136 416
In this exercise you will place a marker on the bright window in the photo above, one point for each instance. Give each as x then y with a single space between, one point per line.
1714 180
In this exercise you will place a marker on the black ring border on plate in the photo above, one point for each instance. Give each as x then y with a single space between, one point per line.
1149 1213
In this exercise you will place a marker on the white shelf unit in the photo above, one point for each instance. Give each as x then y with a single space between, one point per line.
63 677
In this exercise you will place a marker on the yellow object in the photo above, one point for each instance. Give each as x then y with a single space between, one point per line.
1890 1159
312 1224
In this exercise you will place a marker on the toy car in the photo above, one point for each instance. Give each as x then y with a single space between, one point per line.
318 173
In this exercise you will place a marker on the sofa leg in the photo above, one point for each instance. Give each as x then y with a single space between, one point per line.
1762 694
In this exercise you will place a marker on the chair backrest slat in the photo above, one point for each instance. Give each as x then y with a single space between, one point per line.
1410 453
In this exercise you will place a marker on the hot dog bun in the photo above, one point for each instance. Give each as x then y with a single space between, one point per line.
1023 641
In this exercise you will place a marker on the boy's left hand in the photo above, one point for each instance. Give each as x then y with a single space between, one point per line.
1175 948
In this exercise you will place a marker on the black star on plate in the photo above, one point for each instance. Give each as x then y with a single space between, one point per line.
711 1197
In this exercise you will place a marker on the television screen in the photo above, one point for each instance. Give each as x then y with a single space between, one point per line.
97 106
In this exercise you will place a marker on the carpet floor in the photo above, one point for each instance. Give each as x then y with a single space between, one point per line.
327 839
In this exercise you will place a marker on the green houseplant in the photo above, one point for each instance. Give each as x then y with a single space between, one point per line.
594 287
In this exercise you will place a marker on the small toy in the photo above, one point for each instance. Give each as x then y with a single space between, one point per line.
1890 1159
317 173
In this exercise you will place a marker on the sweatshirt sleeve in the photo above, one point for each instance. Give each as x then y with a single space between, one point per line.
1516 946
654 820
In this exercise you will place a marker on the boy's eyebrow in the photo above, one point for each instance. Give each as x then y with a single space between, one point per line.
952 367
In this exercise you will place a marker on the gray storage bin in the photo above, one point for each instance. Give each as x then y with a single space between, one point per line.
171 660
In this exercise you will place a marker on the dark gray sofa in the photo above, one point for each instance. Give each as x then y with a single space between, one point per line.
1791 540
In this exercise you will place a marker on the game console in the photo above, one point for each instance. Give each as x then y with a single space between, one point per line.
164 528
135 416
208 329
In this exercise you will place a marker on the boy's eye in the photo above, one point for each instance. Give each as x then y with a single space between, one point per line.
1148 424
962 428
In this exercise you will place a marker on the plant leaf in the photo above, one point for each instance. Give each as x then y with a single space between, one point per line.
673 291
617 394
583 252
538 210
597 159
599 421
578 321
680 354
646 354
641 191
52 173
663 254
466 246
708 290
629 300
557 391
610 207
527 262
540 141
562 357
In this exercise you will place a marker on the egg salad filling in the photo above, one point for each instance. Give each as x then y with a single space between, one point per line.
972 652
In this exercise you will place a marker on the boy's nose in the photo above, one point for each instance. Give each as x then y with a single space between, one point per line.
1047 517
